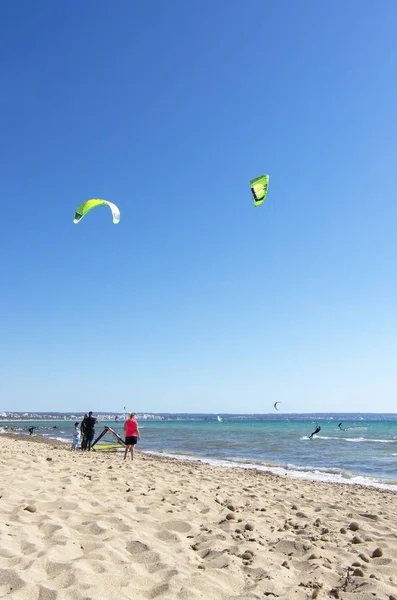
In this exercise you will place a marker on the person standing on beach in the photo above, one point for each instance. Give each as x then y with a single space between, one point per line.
76 436
132 435
90 429
82 429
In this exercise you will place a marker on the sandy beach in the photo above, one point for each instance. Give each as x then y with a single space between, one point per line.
88 526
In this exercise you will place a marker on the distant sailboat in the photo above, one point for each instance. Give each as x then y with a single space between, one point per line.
219 419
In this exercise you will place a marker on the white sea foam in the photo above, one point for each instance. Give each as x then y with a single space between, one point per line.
373 440
318 437
343 439
308 473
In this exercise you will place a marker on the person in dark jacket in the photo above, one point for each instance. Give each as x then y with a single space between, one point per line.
89 429
83 436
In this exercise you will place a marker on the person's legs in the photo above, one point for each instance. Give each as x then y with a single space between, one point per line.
90 437
132 451
128 447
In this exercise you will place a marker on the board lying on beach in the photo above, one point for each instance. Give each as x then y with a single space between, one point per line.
109 447
116 443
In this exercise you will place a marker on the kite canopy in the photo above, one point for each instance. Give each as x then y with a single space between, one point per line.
88 205
115 444
259 189
275 404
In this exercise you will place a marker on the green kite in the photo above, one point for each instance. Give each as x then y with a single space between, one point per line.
259 189
88 205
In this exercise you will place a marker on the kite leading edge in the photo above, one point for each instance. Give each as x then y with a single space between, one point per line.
259 187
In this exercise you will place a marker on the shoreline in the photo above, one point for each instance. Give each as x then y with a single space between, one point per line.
305 474
189 462
297 473
161 527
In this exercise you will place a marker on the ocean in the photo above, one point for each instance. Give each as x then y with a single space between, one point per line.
363 451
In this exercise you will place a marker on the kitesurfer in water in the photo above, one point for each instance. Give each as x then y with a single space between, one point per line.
318 428
31 429
340 427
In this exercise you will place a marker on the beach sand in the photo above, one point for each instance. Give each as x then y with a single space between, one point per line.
80 526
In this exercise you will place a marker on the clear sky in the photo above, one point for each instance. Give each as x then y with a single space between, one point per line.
198 301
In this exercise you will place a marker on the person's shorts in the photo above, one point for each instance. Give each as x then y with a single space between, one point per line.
131 440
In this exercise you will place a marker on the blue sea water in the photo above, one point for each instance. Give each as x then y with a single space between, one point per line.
364 451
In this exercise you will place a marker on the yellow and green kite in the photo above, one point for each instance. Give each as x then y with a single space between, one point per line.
88 205
259 189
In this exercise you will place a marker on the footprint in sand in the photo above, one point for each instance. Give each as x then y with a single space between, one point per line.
10 580
140 509
96 566
48 529
92 528
174 525
167 536
45 593
143 555
28 548
291 547
215 559
60 573
158 591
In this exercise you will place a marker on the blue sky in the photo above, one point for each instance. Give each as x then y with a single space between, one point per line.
197 301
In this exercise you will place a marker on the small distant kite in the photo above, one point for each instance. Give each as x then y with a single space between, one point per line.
259 189
275 404
88 205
